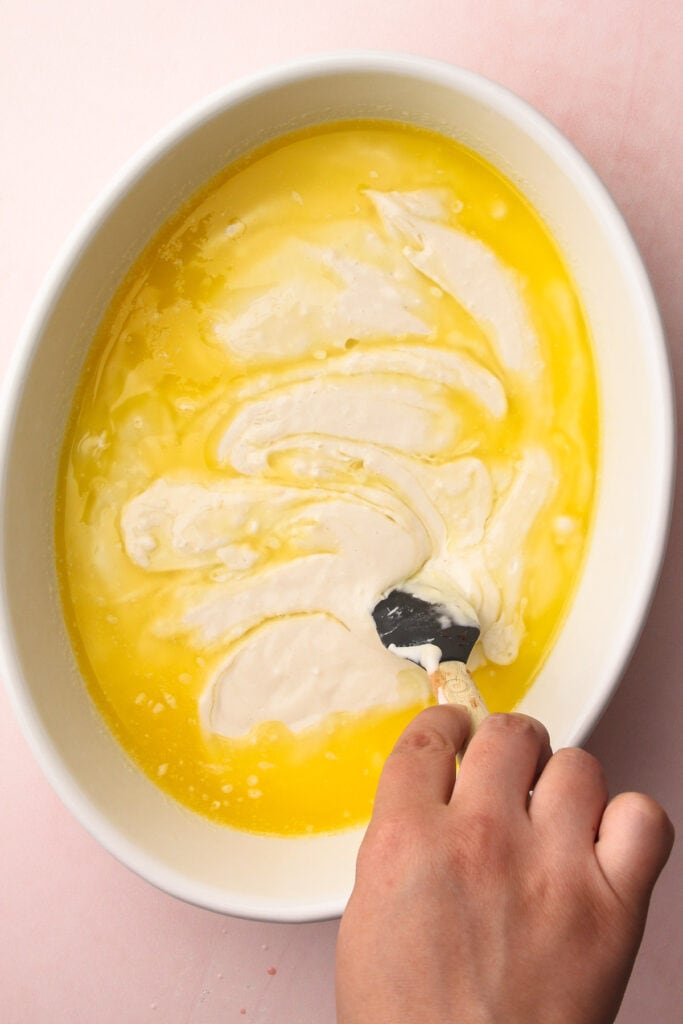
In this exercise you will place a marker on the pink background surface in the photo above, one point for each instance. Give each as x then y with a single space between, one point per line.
82 86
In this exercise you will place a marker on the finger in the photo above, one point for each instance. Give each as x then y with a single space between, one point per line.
570 796
421 768
634 843
503 761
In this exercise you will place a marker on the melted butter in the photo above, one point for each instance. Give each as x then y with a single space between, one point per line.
321 260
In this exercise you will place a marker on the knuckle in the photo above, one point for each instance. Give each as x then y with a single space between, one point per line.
517 725
581 764
423 738
651 813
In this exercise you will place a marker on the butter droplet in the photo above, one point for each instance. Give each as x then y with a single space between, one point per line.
235 228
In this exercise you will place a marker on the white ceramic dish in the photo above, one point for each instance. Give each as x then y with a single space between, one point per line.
306 879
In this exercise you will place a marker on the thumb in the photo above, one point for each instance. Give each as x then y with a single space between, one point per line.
633 845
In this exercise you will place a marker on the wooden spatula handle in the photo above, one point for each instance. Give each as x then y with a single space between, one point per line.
453 684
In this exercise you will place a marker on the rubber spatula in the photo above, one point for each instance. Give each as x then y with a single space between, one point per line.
436 637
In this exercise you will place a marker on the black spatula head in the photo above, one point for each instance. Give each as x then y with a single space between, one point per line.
406 620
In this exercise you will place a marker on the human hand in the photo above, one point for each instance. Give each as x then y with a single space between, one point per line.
474 904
